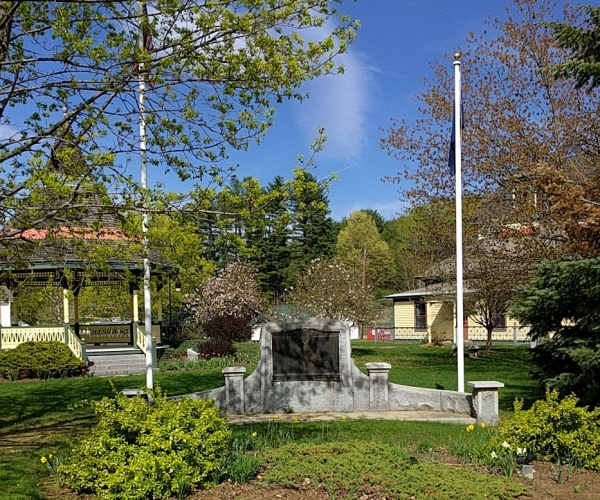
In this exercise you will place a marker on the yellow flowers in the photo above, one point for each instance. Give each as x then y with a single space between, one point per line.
343 417
482 425
470 428
294 419
43 460
275 417
254 434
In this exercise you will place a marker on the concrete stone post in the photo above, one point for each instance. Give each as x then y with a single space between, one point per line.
234 389
378 386
485 401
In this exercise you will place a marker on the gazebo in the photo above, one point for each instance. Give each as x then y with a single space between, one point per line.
63 257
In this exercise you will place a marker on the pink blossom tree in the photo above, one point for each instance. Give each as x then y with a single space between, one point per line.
233 291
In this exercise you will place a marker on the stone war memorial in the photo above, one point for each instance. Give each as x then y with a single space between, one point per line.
307 366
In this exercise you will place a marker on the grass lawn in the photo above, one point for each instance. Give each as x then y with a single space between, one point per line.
35 419
436 368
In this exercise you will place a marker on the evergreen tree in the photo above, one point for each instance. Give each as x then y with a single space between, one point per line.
561 305
312 227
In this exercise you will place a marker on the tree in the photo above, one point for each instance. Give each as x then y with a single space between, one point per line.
523 131
70 85
327 289
519 122
273 253
312 227
364 253
560 304
582 42
575 193
233 291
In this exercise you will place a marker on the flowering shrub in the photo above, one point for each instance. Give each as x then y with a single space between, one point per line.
554 429
234 291
139 450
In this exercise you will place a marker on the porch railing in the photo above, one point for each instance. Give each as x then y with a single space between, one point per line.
11 337
514 334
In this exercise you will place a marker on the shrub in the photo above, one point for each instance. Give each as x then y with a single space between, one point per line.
226 327
361 469
181 351
139 450
216 348
40 360
554 429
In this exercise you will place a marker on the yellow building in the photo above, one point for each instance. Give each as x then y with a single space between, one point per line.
428 315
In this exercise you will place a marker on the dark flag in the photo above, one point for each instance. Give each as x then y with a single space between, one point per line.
452 153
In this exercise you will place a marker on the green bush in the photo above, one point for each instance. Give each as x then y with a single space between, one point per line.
555 430
40 360
181 350
140 451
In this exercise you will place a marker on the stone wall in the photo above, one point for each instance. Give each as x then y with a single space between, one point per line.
351 391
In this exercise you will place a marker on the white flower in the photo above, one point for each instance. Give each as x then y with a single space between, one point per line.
521 451
505 445
493 454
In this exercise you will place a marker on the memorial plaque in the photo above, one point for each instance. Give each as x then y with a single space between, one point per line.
306 354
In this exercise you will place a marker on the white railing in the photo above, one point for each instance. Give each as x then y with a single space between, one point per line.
11 337
140 339
75 344
515 334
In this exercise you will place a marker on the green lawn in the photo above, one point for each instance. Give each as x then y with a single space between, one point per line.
436 368
35 419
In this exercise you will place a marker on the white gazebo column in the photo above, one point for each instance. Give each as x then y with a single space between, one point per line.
134 290
65 295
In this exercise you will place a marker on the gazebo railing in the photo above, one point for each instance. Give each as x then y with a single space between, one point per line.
108 333
11 337
140 339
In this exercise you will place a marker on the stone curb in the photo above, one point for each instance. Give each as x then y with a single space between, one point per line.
415 416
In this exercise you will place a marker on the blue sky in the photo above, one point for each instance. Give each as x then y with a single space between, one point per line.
384 69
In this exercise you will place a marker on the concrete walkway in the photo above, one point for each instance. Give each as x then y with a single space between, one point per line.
416 416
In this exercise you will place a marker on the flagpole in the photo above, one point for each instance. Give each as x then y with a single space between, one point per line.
459 250
144 184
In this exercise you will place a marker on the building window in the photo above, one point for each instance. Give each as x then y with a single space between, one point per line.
501 323
420 315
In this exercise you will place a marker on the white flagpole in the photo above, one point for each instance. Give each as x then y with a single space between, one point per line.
144 184
459 250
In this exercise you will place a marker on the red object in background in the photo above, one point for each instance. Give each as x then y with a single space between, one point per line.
379 333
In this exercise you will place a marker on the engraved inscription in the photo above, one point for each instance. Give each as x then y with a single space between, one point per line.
306 354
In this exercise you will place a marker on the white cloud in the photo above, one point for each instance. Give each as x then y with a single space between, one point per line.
7 132
339 103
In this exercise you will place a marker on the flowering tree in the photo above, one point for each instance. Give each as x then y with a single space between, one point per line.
326 288
233 291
